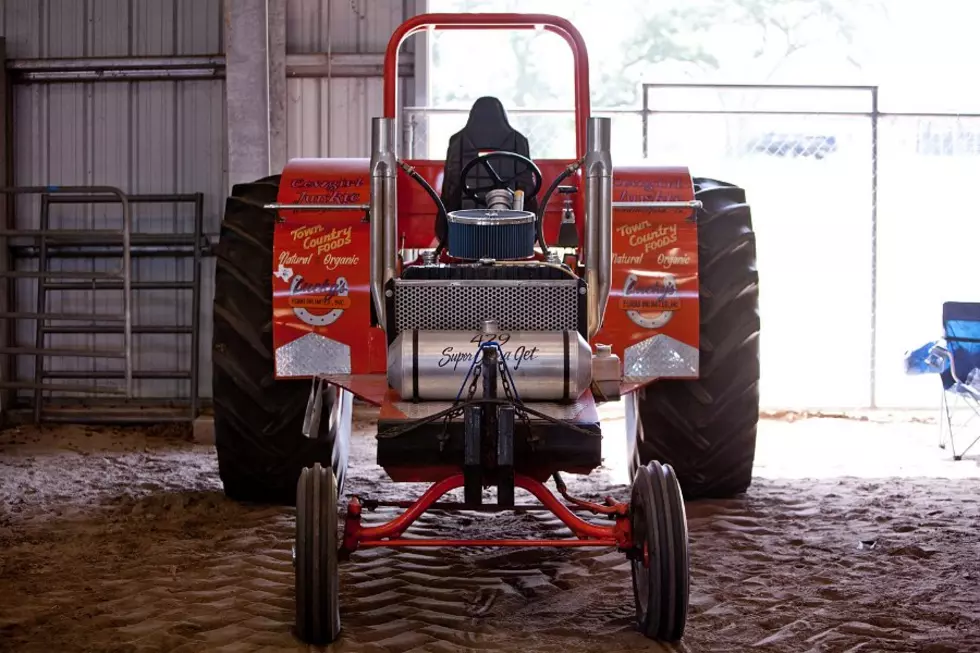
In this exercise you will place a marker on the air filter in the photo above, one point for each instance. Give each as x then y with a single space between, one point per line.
498 234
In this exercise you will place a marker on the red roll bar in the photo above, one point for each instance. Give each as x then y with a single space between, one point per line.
555 24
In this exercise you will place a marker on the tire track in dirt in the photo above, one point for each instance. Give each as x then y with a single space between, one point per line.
482 598
140 551
118 542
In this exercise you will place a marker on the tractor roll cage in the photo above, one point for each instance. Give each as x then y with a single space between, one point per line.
592 145
555 24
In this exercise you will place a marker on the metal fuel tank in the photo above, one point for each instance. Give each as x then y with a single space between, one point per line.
545 365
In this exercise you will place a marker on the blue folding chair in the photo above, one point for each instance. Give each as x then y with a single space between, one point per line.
961 324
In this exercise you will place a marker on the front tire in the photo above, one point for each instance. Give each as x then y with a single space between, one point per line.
706 428
317 569
661 562
258 420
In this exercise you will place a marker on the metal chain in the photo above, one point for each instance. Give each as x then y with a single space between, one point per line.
504 375
502 367
444 436
518 406
476 377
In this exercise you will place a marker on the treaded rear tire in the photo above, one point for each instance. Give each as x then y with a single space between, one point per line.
258 420
706 428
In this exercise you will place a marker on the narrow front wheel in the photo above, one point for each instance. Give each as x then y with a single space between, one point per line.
317 572
661 562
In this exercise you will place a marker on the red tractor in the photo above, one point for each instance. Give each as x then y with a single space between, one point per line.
487 322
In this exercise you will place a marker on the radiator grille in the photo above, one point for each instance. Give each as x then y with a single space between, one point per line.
515 305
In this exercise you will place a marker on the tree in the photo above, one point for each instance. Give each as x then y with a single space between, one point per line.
671 40
685 37
788 28
511 65
658 37
688 41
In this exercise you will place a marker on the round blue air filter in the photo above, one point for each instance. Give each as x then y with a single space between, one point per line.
495 233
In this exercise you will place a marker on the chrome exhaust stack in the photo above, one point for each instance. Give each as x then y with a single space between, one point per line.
598 220
384 227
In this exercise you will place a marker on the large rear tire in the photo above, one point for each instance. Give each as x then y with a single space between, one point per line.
706 428
258 420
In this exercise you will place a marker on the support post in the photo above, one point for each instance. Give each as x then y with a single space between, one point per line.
277 86
7 297
873 371
255 61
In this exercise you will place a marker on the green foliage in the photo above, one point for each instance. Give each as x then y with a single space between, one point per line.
685 39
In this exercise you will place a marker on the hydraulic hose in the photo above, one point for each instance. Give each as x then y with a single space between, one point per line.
566 173
443 214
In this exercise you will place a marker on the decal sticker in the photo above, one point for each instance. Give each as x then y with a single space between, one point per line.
513 357
319 240
651 188
283 273
651 303
319 304
648 236
328 191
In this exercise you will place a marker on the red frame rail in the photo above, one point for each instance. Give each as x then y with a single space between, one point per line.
389 534
555 24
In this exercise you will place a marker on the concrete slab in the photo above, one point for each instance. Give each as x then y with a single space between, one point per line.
204 430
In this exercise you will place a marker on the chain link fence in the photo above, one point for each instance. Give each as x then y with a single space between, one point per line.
928 239
805 159
860 230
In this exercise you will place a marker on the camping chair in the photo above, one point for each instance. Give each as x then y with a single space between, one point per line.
961 324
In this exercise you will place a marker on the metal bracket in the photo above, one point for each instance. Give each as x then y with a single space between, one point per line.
314 409
505 456
275 206
694 205
317 207
472 468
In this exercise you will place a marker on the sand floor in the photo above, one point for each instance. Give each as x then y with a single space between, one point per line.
856 536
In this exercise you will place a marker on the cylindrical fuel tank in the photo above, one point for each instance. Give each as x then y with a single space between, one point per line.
545 365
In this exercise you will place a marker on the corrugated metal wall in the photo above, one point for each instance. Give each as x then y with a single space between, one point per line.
143 137
166 137
332 117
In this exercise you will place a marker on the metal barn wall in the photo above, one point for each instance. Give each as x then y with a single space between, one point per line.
143 137
170 137
331 116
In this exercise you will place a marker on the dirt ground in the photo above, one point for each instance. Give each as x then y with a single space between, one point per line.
856 536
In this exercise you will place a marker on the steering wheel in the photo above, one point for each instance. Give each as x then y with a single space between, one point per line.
473 192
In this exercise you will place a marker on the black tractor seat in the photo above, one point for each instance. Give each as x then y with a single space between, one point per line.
487 130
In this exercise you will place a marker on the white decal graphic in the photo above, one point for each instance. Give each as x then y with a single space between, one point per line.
283 273
643 309
328 291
